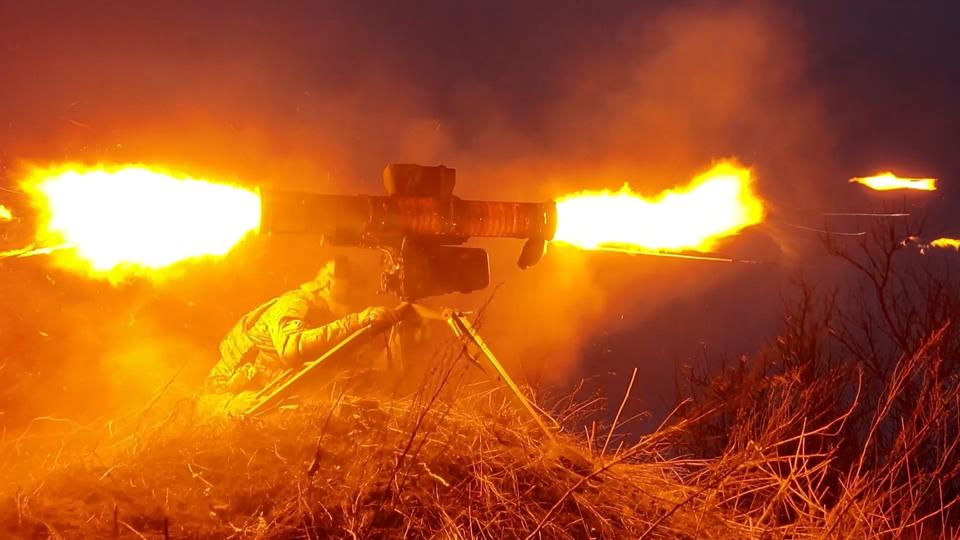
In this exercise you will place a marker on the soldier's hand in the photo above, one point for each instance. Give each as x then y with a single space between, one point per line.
374 315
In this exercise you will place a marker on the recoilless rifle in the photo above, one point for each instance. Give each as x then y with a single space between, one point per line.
420 227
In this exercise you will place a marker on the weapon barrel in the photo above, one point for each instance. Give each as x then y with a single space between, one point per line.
362 215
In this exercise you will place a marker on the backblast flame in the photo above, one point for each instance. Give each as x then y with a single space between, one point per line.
716 204
123 220
887 181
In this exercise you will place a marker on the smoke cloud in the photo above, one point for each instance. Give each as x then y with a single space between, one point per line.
527 102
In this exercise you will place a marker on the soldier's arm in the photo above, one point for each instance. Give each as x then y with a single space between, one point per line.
314 342
294 341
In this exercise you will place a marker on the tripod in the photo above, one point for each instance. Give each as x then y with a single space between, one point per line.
290 380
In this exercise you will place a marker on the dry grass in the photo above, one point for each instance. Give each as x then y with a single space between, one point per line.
349 467
872 471
461 461
471 467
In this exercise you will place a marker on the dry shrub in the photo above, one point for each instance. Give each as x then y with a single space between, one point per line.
849 426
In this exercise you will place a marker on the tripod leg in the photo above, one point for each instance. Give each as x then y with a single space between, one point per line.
276 381
463 329
283 387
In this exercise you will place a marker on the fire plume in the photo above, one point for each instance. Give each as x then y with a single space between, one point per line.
887 181
716 204
132 219
5 213
946 243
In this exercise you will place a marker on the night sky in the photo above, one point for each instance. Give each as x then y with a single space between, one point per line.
528 100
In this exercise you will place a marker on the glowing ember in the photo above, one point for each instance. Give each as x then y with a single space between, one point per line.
946 243
123 220
887 181
5 213
718 203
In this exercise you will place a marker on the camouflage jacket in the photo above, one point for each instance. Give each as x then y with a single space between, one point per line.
273 337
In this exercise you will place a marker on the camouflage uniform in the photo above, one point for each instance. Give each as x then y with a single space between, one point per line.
283 333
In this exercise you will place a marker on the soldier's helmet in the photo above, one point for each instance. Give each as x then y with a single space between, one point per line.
335 282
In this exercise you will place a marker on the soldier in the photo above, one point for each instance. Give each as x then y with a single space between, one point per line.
298 326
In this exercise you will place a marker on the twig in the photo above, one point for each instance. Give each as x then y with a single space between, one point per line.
315 465
613 427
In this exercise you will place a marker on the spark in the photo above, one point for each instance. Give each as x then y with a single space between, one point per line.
946 243
5 213
674 255
823 231
864 214
32 250
887 181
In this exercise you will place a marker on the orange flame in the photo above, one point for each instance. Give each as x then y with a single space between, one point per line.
131 219
716 204
887 181
946 243
5 213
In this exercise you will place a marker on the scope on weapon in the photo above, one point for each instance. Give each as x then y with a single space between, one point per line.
419 225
